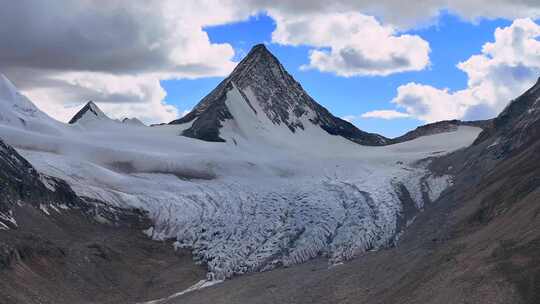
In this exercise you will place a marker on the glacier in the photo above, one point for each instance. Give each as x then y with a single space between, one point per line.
263 199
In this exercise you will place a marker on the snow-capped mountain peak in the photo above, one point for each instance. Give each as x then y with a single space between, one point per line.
18 111
89 113
274 101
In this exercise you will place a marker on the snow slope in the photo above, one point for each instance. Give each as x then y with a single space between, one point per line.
250 204
133 121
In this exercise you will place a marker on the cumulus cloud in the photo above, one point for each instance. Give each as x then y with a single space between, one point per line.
504 69
351 43
379 114
405 14
118 95
385 114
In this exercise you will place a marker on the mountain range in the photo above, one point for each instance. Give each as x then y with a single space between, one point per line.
261 188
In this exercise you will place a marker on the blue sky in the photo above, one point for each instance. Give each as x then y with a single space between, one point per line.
451 40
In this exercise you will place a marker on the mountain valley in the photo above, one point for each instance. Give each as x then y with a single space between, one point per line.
261 195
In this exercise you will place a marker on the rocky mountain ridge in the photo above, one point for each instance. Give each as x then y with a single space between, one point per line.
437 128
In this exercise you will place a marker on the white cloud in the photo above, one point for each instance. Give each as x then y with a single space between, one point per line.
185 112
351 44
405 14
349 118
112 52
385 114
503 70
134 96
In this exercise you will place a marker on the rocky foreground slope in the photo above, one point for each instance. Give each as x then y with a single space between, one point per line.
56 247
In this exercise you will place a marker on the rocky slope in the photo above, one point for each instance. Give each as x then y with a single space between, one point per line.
267 88
518 125
56 247
437 128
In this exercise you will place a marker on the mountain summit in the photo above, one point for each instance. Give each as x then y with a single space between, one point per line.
90 112
261 91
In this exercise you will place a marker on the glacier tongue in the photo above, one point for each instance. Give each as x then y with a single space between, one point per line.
249 213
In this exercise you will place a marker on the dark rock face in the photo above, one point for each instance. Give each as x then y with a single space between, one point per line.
19 181
281 98
208 115
518 124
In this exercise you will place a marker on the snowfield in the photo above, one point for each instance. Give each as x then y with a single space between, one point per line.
267 197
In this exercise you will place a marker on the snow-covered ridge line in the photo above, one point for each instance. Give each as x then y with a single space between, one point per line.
254 203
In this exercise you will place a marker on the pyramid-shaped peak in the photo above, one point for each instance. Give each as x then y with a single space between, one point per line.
261 95
260 68
90 111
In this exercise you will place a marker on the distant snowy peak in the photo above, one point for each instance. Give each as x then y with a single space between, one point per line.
17 110
8 92
133 121
93 117
13 101
89 113
262 84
